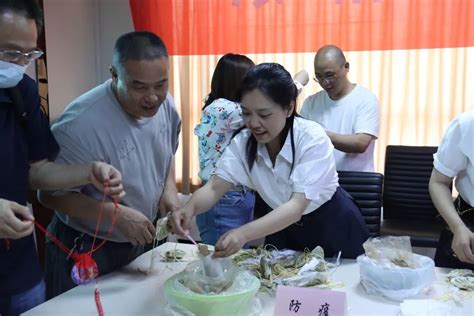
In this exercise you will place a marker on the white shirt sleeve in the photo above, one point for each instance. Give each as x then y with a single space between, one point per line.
368 116
315 173
305 108
450 159
232 166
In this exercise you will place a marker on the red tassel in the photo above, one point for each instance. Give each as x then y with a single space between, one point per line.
100 310
84 270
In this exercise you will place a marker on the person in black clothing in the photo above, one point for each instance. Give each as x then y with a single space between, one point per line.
27 148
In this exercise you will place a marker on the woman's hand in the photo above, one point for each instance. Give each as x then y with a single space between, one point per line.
180 221
463 241
229 243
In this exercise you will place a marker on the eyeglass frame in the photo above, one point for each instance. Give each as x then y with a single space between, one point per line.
330 78
20 55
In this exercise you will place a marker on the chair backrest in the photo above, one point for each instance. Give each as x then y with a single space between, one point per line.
407 174
366 189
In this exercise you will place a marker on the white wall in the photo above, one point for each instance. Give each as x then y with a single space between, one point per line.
80 35
115 19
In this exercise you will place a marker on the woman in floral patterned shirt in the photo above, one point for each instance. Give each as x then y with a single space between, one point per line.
221 116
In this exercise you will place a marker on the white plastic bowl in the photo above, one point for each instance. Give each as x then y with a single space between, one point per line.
395 283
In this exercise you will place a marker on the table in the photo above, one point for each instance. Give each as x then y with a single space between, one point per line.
130 292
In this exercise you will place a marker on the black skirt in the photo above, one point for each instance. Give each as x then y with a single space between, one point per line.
445 256
337 225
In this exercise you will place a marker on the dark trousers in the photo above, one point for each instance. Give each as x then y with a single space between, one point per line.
337 225
17 304
58 266
444 256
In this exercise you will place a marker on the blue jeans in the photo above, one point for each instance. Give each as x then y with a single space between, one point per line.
19 303
234 209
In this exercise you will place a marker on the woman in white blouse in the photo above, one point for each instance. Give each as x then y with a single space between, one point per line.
455 159
221 117
289 161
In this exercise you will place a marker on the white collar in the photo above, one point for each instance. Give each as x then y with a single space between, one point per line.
285 151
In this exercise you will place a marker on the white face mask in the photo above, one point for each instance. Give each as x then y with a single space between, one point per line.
10 74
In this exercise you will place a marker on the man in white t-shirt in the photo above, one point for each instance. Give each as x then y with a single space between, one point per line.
348 112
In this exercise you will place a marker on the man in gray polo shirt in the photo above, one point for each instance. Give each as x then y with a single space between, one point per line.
130 122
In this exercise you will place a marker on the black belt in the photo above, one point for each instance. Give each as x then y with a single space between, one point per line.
464 210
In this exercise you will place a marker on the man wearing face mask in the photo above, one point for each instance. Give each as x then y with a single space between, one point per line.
348 112
131 122
27 148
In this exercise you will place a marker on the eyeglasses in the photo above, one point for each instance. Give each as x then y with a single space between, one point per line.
329 77
14 56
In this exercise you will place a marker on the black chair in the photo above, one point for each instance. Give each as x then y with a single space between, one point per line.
366 189
407 206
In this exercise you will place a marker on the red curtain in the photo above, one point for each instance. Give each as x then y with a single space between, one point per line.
204 27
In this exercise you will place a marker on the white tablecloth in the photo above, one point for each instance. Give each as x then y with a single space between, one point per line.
130 292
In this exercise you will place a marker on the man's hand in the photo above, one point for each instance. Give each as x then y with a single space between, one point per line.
10 225
102 173
136 227
180 221
169 202
302 77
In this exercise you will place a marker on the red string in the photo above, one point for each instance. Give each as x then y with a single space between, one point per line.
66 249
101 210
75 255
109 231
54 239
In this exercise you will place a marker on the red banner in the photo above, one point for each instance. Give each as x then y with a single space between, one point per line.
202 27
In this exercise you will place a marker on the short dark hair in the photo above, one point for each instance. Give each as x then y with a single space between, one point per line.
275 82
30 9
227 77
138 46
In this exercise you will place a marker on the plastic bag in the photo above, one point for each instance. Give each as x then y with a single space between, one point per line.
288 267
390 269
315 272
212 267
241 282
391 251
209 275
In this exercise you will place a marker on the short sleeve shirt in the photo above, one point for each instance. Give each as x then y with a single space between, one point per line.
356 113
219 121
313 172
455 155
94 127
